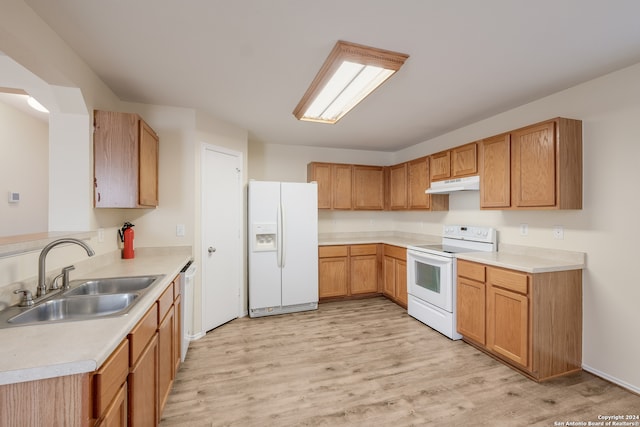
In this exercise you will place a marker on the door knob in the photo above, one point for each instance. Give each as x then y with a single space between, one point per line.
211 249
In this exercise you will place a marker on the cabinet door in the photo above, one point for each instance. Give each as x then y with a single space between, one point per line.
115 153
389 276
533 166
166 365
148 179
401 282
321 173
418 173
495 172
440 165
368 187
332 277
508 324
398 186
363 274
464 160
342 186
143 387
471 306
116 414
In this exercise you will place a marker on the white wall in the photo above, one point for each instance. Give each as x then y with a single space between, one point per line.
24 168
605 228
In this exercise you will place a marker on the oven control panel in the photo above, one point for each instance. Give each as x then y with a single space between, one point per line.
465 232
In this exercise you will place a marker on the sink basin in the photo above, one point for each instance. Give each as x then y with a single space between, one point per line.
76 308
115 285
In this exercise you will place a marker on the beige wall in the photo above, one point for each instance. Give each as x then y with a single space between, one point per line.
24 168
605 228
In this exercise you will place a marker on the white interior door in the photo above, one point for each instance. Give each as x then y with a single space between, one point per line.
222 215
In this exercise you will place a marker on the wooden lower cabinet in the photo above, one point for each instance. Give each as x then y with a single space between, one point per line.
347 270
363 269
533 322
116 414
394 273
165 357
143 387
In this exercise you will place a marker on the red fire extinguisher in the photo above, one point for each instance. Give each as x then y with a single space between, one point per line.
126 236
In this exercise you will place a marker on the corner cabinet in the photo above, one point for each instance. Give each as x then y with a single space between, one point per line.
532 322
536 167
125 153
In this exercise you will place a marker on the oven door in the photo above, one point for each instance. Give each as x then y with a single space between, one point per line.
430 278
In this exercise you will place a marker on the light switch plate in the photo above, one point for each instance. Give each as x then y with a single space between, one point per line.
180 230
524 229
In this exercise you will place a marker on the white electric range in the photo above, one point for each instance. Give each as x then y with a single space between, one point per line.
431 275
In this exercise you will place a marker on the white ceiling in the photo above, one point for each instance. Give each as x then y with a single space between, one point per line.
250 61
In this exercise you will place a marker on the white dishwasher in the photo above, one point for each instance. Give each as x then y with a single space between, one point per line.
187 275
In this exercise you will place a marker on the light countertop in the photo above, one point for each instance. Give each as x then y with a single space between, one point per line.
521 258
50 350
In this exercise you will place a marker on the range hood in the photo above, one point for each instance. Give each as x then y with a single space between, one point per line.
468 183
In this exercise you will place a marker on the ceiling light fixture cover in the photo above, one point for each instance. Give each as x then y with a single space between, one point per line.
33 103
348 75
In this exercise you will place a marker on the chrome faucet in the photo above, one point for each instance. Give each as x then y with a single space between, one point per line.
42 280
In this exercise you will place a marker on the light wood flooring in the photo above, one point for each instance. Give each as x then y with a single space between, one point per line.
367 363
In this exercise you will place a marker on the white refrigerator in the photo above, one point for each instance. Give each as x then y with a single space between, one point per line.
283 247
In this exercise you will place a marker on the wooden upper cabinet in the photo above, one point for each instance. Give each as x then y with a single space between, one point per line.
368 187
455 163
398 186
440 165
464 160
342 177
125 151
334 184
533 164
418 172
495 172
536 167
321 174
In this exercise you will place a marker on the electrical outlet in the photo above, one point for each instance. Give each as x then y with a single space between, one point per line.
524 229
558 232
100 235
180 230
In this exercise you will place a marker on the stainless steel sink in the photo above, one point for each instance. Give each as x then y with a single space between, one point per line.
114 285
76 308
85 299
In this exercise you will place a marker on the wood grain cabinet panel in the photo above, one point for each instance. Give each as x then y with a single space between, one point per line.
530 321
495 172
394 274
535 167
464 160
321 174
418 173
333 277
363 270
125 150
368 187
440 166
398 186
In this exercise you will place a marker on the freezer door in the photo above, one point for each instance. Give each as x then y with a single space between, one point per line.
264 273
299 248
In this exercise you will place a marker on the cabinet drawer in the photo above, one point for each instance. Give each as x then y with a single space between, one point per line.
471 270
363 250
142 333
165 302
508 279
109 378
332 251
395 252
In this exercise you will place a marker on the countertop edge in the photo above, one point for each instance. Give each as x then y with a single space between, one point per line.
86 363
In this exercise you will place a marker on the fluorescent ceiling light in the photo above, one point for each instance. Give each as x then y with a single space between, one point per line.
33 103
348 75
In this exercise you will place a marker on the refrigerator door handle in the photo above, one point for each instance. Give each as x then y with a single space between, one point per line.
279 236
283 245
